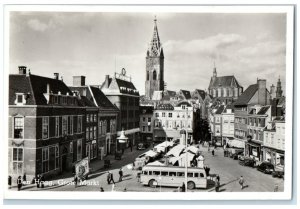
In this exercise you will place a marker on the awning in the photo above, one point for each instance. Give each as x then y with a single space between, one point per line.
236 143
176 151
159 149
192 149
150 153
156 163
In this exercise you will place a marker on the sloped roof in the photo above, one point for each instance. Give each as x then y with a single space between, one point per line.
170 93
183 103
84 101
123 86
224 81
146 109
165 107
36 86
220 109
201 93
246 95
263 110
186 94
101 100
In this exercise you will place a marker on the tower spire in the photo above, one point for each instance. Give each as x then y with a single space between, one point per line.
278 89
215 70
155 48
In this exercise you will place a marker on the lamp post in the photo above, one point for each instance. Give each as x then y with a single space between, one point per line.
122 138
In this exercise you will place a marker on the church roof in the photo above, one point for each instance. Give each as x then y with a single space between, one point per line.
246 95
223 81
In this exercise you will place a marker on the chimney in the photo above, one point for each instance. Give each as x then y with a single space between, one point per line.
22 70
262 91
79 80
56 76
106 85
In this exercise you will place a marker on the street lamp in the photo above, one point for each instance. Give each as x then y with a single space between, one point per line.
122 139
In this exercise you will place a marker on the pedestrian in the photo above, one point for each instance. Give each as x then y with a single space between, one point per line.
101 189
138 176
42 180
241 182
9 182
213 152
183 187
37 181
24 177
120 175
75 180
19 183
218 178
217 185
111 177
108 177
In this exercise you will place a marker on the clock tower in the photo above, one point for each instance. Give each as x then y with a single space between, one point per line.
154 65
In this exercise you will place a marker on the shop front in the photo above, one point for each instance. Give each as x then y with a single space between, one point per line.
253 150
274 156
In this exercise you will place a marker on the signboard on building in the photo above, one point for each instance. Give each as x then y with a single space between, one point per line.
82 168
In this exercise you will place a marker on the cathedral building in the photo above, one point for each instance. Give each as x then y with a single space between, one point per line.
224 88
154 65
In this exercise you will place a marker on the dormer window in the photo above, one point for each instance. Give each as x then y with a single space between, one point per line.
20 99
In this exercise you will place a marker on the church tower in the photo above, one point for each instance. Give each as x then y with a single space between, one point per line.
278 90
154 65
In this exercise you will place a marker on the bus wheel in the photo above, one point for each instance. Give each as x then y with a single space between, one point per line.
190 185
152 183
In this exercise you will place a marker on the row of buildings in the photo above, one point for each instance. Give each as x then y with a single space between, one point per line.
255 122
52 125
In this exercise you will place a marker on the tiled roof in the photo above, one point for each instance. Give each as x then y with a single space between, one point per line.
186 94
101 100
183 103
170 93
246 95
37 86
201 93
146 109
165 107
84 101
220 109
263 110
224 81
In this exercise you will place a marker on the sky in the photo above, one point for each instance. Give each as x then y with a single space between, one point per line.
248 46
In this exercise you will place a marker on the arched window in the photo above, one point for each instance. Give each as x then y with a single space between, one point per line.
154 75
147 75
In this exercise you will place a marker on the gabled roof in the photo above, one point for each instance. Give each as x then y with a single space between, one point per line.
183 103
224 81
263 110
84 101
246 95
36 86
122 86
101 100
186 94
170 93
201 93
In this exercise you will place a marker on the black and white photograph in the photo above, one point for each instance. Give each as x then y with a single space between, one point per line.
149 102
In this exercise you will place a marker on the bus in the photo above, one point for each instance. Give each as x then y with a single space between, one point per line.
173 176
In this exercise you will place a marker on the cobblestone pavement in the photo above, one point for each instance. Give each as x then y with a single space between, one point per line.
228 169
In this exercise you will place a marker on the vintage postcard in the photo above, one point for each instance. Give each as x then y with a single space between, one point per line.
148 102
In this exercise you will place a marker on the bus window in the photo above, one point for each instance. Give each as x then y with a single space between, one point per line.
172 173
145 172
196 175
164 173
180 174
201 175
190 174
156 173
150 172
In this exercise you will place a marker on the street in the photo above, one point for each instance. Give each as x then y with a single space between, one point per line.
228 169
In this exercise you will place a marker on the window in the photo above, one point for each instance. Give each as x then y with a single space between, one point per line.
104 127
87 133
64 125
201 175
56 126
154 75
180 174
79 124
91 117
45 129
183 107
144 119
91 133
17 160
190 174
172 173
55 99
170 115
163 114
71 147
79 149
95 117
149 120
20 100
94 150
164 173
45 159
18 127
56 157
157 173
95 132
144 128
157 114
149 128
100 128
150 172
145 172
71 125
196 175
87 118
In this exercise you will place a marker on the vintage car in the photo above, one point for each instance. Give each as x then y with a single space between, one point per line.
266 167
278 174
247 161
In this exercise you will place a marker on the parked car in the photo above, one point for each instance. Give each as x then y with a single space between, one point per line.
247 161
236 154
266 167
278 174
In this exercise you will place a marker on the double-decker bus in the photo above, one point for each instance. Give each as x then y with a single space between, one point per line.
173 176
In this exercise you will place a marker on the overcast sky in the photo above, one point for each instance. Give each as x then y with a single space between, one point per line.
248 46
